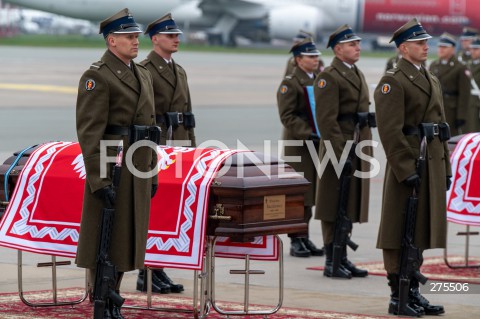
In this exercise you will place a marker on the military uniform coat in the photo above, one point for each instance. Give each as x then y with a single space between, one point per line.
341 90
293 108
455 82
474 118
404 97
110 93
171 94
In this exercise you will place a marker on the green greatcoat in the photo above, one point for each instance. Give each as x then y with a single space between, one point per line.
475 98
117 96
404 97
171 95
454 79
293 108
341 90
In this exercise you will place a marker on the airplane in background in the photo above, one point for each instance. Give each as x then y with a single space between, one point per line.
277 19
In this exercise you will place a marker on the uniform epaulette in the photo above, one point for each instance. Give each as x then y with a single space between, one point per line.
392 71
97 65
288 77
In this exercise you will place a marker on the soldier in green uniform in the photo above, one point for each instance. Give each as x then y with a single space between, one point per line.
466 38
341 94
293 109
302 35
408 99
475 73
113 94
454 78
173 108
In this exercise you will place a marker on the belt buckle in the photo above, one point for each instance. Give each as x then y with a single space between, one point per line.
436 130
180 118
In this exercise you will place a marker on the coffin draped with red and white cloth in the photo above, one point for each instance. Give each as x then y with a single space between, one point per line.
463 198
44 211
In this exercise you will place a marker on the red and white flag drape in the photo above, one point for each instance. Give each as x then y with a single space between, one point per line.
45 210
463 198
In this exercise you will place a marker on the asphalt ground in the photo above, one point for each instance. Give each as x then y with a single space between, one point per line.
234 100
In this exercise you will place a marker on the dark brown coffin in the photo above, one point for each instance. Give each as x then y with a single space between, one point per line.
255 197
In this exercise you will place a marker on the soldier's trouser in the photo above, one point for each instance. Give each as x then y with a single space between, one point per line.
328 230
391 260
307 211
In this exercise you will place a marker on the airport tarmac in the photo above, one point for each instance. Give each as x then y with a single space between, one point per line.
234 101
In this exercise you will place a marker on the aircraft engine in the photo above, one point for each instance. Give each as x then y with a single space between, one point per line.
284 22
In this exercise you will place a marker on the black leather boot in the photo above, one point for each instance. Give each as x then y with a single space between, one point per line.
314 251
298 249
421 301
411 310
162 276
157 285
341 272
347 264
115 310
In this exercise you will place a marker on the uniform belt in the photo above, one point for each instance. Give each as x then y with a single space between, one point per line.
410 130
161 119
117 130
364 118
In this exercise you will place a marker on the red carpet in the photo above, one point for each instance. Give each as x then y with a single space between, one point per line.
434 268
12 307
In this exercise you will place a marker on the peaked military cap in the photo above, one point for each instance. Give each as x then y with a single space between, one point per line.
302 34
475 43
469 33
447 40
120 22
410 31
342 35
305 47
165 25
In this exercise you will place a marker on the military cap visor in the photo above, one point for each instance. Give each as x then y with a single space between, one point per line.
446 41
415 33
468 33
343 37
163 27
475 44
124 24
306 48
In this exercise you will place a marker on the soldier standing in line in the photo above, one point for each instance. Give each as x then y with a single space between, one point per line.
294 111
341 94
408 100
112 95
475 73
454 78
173 108
302 35
466 38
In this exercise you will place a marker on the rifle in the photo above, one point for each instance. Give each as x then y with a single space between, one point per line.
410 256
106 272
343 224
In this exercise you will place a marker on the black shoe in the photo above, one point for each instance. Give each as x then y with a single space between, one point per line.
412 310
116 314
314 251
161 275
421 301
157 285
341 272
298 249
356 272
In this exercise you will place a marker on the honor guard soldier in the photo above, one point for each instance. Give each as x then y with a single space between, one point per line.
115 97
466 38
409 107
173 108
295 116
454 79
341 94
302 35
475 84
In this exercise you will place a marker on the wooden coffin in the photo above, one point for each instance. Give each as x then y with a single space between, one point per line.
256 196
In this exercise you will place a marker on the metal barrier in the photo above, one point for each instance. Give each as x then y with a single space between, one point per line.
467 233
